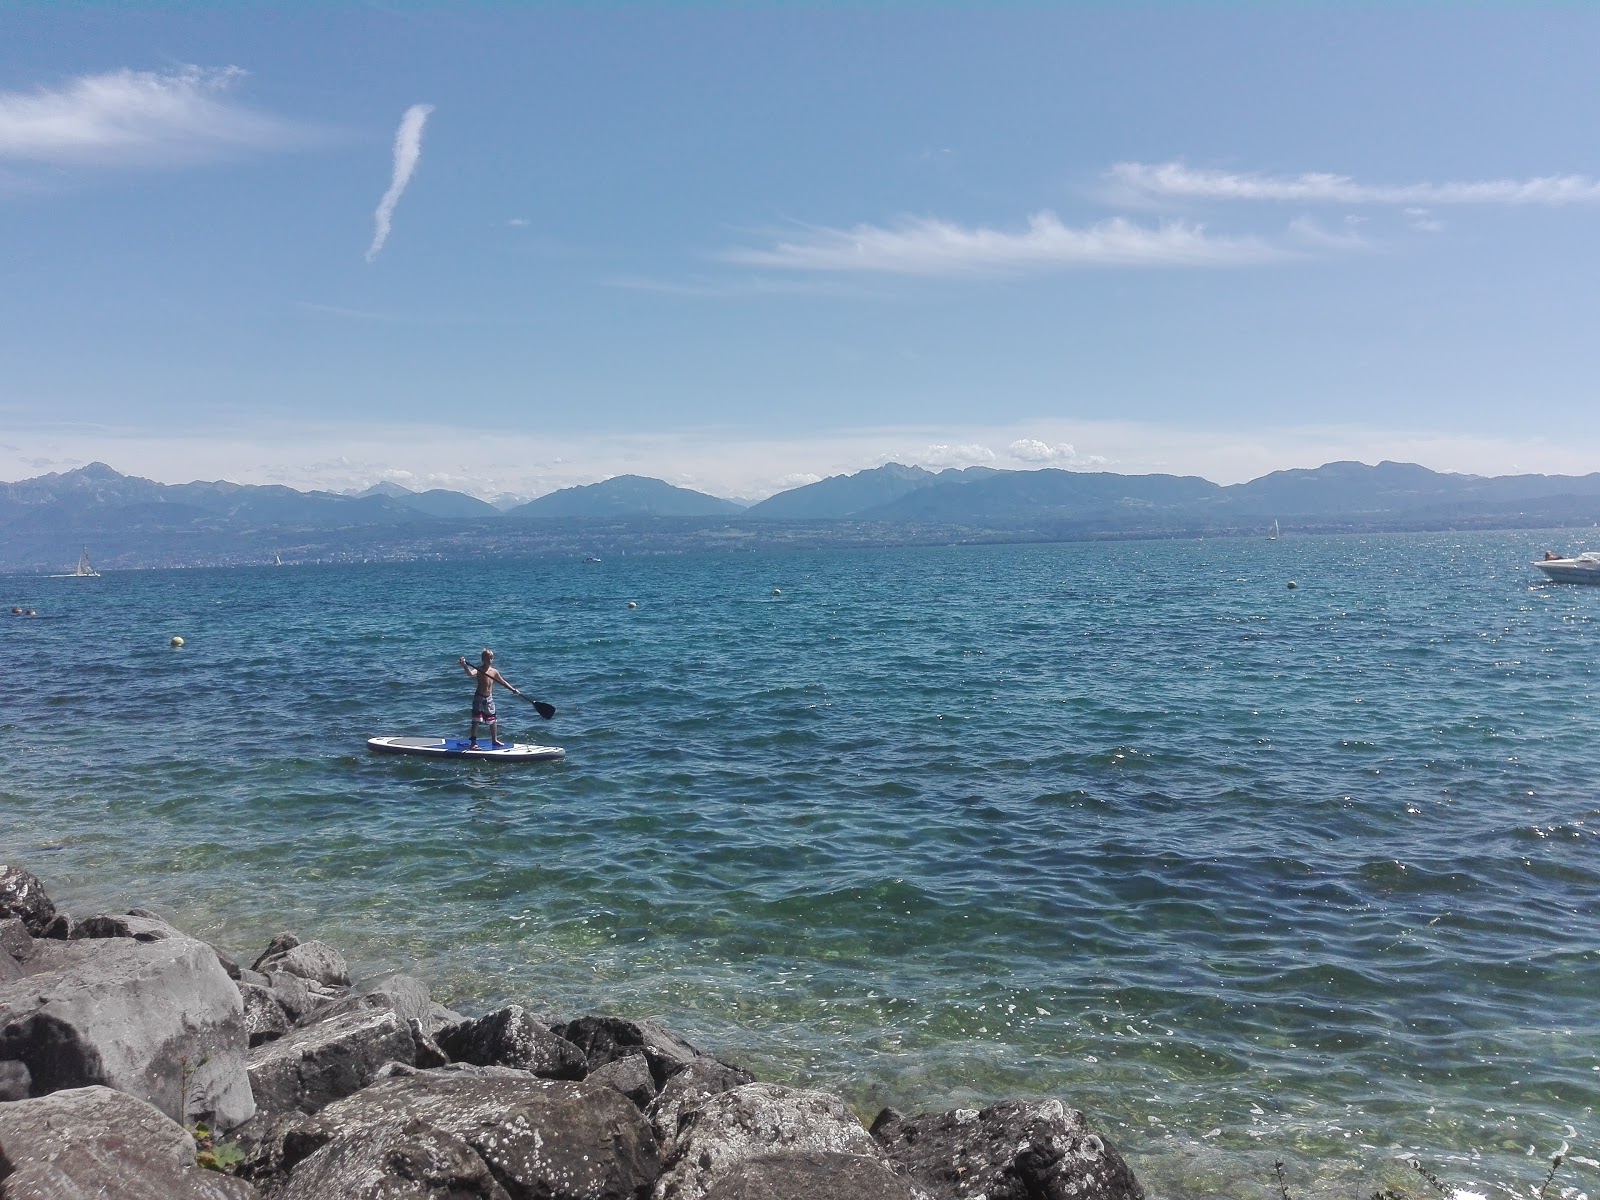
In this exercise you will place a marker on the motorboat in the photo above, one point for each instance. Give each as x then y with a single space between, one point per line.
1583 569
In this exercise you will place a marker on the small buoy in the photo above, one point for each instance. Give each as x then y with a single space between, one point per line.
177 643
15 611
1293 585
633 604
777 591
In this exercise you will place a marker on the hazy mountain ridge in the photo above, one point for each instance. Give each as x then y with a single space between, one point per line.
139 521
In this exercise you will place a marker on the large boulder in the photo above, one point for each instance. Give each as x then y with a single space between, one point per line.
23 896
812 1176
1014 1150
701 1079
132 925
315 1065
542 1139
753 1121
400 1162
96 1142
406 997
511 1037
606 1039
158 1020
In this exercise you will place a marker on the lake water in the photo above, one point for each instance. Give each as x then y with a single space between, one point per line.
1249 873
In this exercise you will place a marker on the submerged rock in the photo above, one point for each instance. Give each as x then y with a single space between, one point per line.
1014 1150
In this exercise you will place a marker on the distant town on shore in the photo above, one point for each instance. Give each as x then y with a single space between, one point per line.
130 523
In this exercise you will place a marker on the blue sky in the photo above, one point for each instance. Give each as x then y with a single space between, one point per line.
739 248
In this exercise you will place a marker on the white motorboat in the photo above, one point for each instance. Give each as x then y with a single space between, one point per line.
1583 569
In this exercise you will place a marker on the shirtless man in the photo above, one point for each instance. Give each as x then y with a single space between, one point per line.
483 699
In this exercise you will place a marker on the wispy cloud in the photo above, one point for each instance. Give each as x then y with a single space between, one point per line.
929 247
1147 181
407 151
138 118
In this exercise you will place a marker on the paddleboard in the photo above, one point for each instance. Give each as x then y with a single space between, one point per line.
433 747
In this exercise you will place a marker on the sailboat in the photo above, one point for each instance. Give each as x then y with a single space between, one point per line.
277 559
84 571
1272 534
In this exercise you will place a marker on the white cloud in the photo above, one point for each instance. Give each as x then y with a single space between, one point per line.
407 153
137 118
1177 181
932 247
1061 454
968 455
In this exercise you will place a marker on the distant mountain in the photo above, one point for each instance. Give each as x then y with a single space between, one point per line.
844 495
97 498
625 496
127 521
436 502
1007 497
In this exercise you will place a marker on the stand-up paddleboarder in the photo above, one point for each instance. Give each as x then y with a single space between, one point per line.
483 699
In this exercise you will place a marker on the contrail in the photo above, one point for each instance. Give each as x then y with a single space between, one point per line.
407 150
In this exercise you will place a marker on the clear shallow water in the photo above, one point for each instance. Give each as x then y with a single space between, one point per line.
1249 873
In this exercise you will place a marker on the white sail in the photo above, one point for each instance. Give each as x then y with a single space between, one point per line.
1272 535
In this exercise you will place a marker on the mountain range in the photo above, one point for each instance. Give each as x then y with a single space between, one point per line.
44 519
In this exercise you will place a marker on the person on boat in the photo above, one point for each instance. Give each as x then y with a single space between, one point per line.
1551 556
487 676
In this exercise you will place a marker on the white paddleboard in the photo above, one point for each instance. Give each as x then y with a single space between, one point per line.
433 747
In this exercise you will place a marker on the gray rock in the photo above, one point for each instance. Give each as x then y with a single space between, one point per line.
403 1161
15 1082
753 1121
510 1037
630 1076
314 961
264 1018
94 1142
317 1064
812 1176
16 948
294 994
606 1039
140 929
281 943
60 928
402 995
228 965
1014 1150
23 896
429 1053
542 1138
701 1079
160 1021
246 975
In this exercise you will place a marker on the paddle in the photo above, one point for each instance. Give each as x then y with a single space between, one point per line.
545 710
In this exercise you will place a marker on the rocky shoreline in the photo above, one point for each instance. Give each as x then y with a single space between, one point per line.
122 1039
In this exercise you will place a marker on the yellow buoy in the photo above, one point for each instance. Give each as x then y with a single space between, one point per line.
177 643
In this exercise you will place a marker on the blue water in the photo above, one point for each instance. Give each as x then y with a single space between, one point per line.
1250 873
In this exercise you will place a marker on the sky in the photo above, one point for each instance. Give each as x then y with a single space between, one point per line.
518 247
